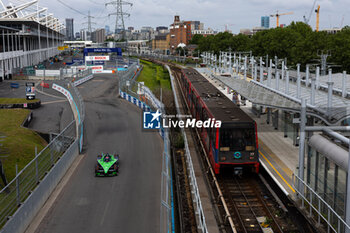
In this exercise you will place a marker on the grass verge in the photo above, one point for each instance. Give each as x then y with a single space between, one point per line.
16 100
154 76
18 143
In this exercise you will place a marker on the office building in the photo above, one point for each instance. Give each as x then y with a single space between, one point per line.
98 36
69 29
107 29
265 21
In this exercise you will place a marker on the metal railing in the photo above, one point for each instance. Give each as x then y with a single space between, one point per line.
17 191
72 74
316 204
162 57
192 176
26 180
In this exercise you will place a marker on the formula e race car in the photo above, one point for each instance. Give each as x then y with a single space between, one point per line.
107 165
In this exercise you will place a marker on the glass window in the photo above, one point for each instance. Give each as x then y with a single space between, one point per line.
237 139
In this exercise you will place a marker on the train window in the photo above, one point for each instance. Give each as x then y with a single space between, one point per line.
237 139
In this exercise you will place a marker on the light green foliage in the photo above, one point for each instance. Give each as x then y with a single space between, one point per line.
154 76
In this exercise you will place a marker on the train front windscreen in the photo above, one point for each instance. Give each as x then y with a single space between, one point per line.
237 145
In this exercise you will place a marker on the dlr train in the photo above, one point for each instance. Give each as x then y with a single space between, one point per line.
235 143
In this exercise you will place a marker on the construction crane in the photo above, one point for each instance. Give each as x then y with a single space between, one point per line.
227 25
317 18
307 20
277 15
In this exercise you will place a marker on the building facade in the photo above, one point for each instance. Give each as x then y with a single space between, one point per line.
265 21
161 44
99 36
139 46
204 33
83 35
69 29
107 29
77 36
25 43
180 33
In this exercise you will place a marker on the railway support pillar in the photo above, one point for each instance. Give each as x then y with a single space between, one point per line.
287 83
307 75
344 94
268 115
252 63
245 68
230 64
317 77
257 110
298 82
255 72
270 73
285 128
295 131
302 145
282 71
275 119
312 99
330 91
261 71
277 83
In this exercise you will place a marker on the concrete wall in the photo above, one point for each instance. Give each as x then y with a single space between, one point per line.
28 210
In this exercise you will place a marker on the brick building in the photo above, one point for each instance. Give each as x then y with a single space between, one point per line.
180 32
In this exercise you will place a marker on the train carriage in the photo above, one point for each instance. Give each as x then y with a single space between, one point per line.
235 144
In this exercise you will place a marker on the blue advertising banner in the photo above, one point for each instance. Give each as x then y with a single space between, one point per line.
98 62
103 50
77 60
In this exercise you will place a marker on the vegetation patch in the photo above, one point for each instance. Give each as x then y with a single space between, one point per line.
154 76
18 143
17 101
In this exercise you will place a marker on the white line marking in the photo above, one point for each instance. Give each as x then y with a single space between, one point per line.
55 101
104 213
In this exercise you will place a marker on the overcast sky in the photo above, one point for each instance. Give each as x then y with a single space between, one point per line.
213 13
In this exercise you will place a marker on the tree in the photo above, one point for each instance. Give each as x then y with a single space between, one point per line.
296 42
196 39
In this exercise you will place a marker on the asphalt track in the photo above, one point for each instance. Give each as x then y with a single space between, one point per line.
129 202
54 114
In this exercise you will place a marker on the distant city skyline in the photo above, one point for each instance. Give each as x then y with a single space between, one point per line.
214 14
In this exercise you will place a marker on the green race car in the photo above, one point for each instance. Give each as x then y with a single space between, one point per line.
107 165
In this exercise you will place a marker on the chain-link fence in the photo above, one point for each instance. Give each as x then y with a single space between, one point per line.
17 191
